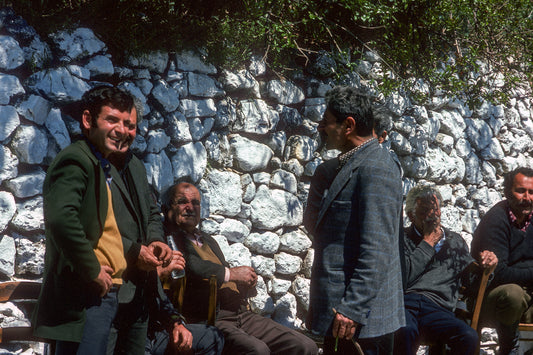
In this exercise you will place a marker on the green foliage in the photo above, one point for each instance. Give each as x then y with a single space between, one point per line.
441 41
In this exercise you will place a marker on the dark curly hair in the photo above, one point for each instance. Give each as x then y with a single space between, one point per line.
94 99
347 101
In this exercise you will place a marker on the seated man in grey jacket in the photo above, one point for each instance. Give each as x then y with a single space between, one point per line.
435 263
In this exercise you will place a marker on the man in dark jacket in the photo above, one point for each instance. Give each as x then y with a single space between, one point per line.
354 214
436 261
245 332
103 235
506 230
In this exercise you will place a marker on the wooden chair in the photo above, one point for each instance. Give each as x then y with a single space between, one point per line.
176 291
24 294
479 299
526 337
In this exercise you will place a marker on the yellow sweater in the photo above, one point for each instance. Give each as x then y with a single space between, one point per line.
109 250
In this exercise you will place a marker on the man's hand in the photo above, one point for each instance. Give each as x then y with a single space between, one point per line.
154 255
488 259
147 260
181 338
104 280
433 236
244 275
343 327
432 230
177 262
161 251
428 212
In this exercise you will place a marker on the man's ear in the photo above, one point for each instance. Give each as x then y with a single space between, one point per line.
383 137
350 125
411 217
86 119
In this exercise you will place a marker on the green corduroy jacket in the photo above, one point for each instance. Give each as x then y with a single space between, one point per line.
75 208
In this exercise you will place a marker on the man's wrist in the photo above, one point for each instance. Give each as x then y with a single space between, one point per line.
177 319
227 274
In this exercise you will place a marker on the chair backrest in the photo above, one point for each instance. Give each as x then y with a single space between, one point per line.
176 292
479 299
24 294
212 307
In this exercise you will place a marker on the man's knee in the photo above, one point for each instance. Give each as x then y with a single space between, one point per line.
206 339
258 347
306 346
410 331
211 342
244 345
469 337
506 303
511 295
406 339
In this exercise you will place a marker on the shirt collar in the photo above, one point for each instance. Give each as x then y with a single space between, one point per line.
344 157
514 220
194 237
104 163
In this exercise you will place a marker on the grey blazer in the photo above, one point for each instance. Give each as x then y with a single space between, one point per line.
356 268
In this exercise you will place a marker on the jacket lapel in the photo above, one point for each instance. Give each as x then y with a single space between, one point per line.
342 179
117 180
99 174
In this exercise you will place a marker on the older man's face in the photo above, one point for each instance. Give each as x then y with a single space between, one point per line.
521 199
427 213
185 207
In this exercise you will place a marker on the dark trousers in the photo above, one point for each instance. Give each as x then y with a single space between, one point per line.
130 328
98 319
206 340
381 345
250 333
433 323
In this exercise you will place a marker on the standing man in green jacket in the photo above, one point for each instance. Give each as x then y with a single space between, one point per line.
104 236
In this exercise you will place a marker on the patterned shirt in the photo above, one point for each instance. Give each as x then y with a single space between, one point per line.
514 219
344 157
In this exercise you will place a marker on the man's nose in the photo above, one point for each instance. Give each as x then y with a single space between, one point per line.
434 210
121 128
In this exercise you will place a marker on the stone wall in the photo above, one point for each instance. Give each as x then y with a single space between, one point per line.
249 141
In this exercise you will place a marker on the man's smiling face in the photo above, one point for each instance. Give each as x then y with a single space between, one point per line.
521 198
113 131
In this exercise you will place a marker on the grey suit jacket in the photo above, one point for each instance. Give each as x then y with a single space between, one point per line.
356 269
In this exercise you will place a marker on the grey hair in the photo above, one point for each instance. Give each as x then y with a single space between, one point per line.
420 191
139 108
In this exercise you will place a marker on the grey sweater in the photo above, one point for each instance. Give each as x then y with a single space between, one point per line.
436 275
